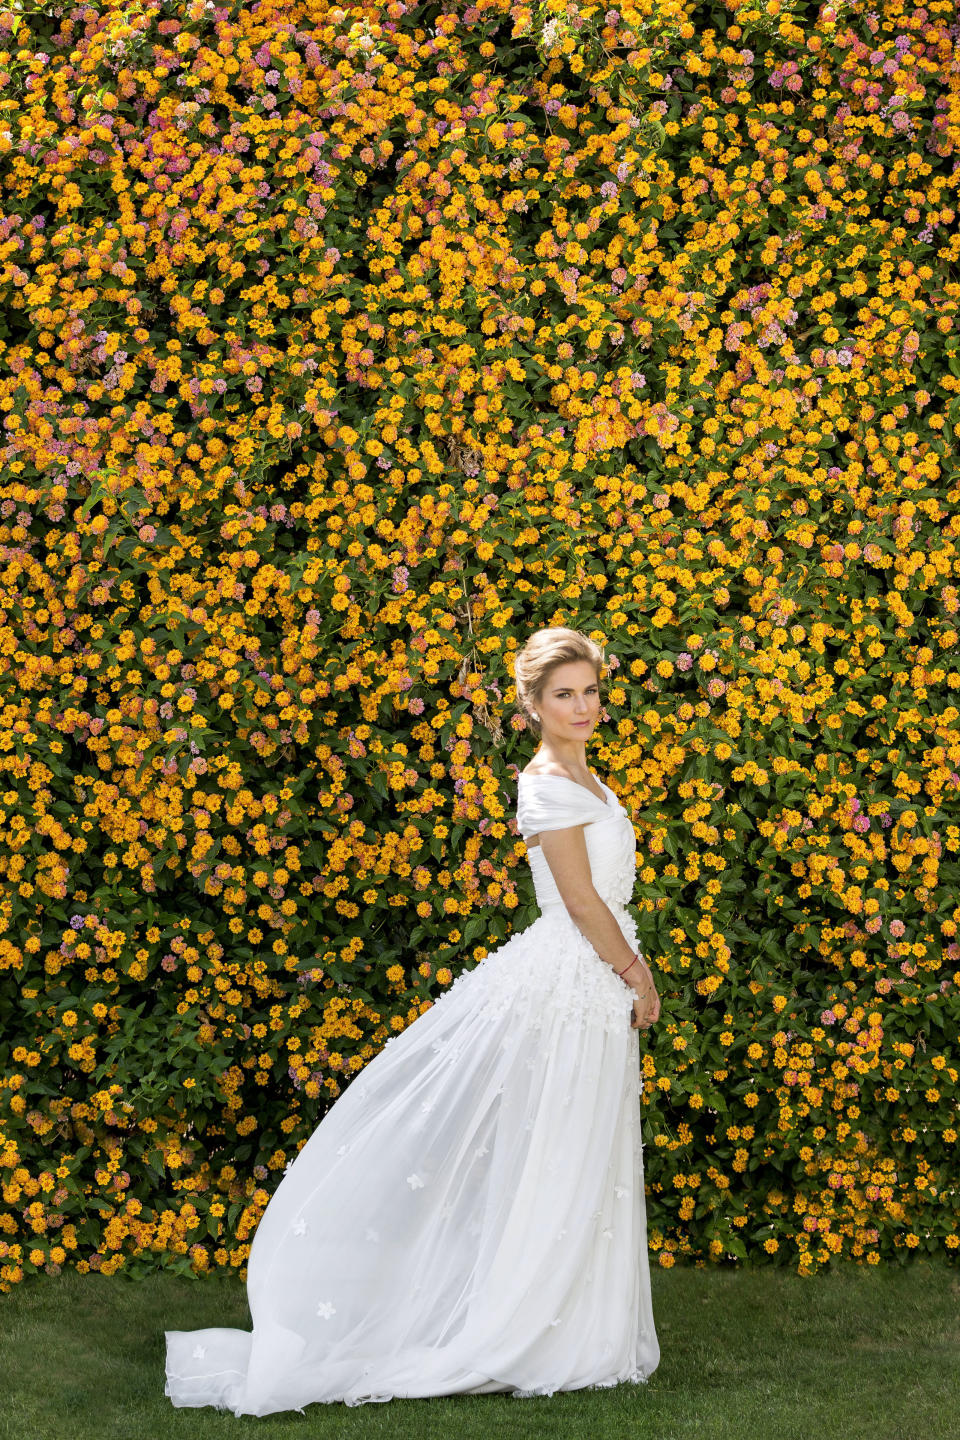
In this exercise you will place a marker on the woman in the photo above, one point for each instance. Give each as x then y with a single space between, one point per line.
469 1216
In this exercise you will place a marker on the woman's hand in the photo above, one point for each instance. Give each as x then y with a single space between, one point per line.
646 1001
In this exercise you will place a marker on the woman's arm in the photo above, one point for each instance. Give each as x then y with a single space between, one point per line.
565 852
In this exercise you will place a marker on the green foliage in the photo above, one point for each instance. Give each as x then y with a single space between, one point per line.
340 349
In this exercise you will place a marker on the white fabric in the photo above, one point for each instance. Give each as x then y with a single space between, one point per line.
552 802
469 1215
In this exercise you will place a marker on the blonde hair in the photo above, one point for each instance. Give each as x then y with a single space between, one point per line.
542 653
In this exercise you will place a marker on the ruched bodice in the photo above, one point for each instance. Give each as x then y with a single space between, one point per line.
552 802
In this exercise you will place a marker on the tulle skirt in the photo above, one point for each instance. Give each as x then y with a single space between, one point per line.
469 1215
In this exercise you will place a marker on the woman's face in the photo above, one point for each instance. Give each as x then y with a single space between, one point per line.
569 705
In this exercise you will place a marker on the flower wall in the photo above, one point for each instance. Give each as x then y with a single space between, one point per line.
339 348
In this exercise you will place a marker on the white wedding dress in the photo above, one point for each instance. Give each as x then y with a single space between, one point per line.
469 1215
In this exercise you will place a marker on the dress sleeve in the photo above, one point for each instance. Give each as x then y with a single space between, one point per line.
551 802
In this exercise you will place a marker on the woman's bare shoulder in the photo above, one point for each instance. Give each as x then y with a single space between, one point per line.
547 767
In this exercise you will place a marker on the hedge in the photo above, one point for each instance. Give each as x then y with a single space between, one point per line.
340 347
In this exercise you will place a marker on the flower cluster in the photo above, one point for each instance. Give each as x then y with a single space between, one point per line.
339 350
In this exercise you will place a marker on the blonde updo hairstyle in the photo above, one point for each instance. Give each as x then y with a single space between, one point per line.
542 653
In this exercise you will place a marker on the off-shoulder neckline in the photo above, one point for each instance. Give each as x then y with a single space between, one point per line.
545 775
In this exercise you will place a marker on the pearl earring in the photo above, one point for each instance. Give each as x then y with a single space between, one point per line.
534 717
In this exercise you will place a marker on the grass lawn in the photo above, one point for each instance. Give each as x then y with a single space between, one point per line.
859 1354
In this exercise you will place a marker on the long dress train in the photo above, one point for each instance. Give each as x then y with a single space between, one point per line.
469 1215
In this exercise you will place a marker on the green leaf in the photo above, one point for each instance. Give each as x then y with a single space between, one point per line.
475 925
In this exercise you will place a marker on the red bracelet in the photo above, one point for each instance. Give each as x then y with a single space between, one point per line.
627 967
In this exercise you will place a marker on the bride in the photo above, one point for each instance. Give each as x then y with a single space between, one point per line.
469 1215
